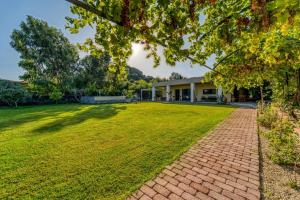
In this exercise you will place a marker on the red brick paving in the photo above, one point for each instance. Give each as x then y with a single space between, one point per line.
223 165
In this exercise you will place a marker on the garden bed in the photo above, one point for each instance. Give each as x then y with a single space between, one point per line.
276 179
279 154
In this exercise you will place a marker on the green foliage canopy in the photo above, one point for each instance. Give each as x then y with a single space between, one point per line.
175 76
47 57
253 40
91 73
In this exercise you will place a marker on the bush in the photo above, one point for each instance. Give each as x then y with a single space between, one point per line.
268 117
55 94
261 106
11 93
283 143
12 96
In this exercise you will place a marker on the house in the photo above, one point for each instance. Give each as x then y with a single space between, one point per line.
189 90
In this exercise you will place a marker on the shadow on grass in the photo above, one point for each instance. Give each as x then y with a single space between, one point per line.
94 112
23 116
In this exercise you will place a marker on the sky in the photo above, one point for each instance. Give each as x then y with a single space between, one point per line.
12 12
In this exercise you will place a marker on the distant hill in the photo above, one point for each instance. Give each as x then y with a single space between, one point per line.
10 81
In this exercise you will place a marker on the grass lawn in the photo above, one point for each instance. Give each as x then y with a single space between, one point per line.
94 151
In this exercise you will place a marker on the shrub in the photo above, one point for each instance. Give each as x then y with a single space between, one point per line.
12 93
283 143
260 106
293 183
268 117
92 90
12 96
55 94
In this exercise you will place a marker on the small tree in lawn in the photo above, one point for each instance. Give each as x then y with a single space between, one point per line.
55 94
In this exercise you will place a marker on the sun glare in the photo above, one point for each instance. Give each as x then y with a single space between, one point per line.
136 48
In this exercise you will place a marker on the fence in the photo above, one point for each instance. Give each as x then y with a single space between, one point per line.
103 99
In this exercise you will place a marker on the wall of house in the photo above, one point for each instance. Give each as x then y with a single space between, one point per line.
180 87
199 87
199 92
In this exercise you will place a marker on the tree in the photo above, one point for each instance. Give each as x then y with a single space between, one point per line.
135 74
136 86
119 25
175 76
95 78
91 73
48 58
239 33
55 94
11 93
263 45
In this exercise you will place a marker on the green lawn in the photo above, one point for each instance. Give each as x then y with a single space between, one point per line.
94 151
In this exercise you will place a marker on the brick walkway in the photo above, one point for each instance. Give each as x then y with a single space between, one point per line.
223 165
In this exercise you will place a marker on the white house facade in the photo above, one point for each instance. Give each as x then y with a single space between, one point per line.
188 90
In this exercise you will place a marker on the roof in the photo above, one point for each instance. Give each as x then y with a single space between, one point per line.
180 81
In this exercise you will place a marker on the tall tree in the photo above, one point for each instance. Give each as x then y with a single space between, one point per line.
92 72
48 58
135 74
175 76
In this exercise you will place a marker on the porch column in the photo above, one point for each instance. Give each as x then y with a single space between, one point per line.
180 95
192 92
219 94
168 93
153 93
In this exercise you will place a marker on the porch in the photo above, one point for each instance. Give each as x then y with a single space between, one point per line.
187 90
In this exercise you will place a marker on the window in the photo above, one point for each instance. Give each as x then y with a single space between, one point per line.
186 94
209 91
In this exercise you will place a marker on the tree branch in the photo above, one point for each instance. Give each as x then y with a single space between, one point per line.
92 9
227 56
97 12
220 23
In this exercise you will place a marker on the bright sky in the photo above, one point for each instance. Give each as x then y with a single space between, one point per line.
12 12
